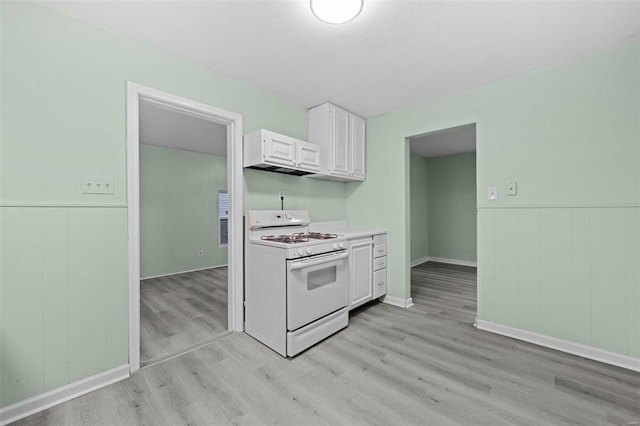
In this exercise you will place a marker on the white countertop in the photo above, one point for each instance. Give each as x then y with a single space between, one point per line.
342 227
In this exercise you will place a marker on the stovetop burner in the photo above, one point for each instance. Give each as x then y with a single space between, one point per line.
321 236
289 239
301 237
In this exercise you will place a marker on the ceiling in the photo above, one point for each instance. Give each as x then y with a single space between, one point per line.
162 126
397 53
457 140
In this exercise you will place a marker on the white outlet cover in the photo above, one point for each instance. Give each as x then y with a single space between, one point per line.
492 193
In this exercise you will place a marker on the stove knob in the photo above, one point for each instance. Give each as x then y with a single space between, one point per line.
308 250
300 252
341 245
335 246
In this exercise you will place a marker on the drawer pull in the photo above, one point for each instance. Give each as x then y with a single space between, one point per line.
382 283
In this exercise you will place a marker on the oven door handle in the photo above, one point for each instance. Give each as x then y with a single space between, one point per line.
308 263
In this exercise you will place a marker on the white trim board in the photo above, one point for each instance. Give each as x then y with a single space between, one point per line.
135 92
397 301
182 272
578 349
35 404
444 260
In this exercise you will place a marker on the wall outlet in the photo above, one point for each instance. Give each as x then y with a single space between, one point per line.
492 193
97 185
200 253
280 195
512 188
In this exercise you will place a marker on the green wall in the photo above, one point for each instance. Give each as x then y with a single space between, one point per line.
452 206
419 209
179 210
560 258
63 289
443 207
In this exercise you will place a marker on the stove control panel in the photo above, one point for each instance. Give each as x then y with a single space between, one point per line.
315 249
274 218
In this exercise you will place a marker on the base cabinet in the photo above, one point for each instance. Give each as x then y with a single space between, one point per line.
360 257
367 269
379 265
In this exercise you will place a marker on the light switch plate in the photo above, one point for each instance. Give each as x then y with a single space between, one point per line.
492 193
97 185
512 188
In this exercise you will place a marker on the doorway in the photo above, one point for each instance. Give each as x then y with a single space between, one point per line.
443 202
140 101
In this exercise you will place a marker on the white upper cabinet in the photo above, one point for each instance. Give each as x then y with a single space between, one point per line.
279 149
339 143
308 156
356 126
271 151
341 136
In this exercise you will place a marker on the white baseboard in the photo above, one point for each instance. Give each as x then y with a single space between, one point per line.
419 261
454 261
35 404
396 301
444 260
584 351
182 272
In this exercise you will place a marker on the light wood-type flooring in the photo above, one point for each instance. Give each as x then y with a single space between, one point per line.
426 365
180 312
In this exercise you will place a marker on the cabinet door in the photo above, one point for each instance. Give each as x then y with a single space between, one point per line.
339 160
360 258
357 129
279 149
308 156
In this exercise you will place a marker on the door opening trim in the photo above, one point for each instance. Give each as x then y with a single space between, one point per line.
233 121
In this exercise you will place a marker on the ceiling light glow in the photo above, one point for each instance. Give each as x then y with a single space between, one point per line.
336 11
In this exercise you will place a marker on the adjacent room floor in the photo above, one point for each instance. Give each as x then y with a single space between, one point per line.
426 365
180 312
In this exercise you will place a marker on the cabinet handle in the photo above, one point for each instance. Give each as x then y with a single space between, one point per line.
382 283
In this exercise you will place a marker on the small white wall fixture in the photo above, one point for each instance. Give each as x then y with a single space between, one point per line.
233 121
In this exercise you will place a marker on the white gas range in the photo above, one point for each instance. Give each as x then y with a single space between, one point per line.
296 282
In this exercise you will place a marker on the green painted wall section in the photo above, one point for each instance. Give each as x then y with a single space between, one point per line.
452 206
63 305
419 201
569 136
63 263
179 210
325 200
443 207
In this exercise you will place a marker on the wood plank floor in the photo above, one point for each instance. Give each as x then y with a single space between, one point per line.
180 312
423 366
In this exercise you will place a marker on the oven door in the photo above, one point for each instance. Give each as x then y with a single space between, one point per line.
316 286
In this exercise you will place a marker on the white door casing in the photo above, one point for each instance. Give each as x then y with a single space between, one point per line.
233 121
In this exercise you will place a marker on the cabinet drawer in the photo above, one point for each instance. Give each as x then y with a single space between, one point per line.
379 263
379 250
380 239
379 283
